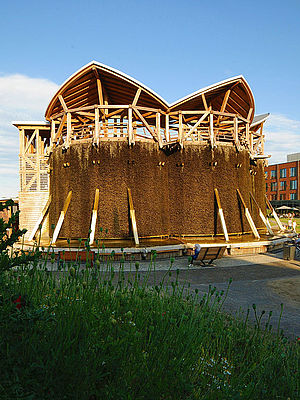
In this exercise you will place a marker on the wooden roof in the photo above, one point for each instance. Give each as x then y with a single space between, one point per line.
83 89
232 95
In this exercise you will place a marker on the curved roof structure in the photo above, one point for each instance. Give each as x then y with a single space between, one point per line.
83 88
232 95
96 83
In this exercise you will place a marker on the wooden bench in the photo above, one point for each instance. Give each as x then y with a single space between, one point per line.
80 256
209 254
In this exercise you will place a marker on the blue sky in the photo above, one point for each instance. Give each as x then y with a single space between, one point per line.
173 47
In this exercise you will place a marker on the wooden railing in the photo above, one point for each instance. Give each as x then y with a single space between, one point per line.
113 122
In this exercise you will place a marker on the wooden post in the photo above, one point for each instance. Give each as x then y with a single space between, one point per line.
211 129
52 132
221 215
248 216
274 214
40 219
69 129
180 127
37 149
247 134
61 217
132 218
130 138
251 142
97 132
167 128
236 133
263 218
158 129
94 217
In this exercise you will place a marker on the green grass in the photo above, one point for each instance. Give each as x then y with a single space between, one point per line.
96 334
284 221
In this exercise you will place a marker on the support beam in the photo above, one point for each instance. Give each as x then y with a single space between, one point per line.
211 130
130 130
158 130
60 128
197 124
167 134
99 87
62 102
278 222
248 216
52 131
236 133
262 217
61 218
180 129
30 140
97 127
40 219
136 97
139 115
224 103
221 215
94 217
69 130
204 101
132 218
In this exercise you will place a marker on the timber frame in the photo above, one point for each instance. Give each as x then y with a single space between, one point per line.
100 103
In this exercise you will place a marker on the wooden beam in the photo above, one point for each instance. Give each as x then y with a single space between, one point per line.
180 129
94 217
130 130
69 130
136 97
249 113
97 127
60 128
204 101
221 215
132 218
211 130
262 217
280 226
248 216
193 128
158 129
30 140
236 134
147 126
62 102
224 103
167 134
40 219
99 87
61 217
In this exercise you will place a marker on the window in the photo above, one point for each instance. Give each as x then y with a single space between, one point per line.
266 174
283 173
273 173
273 186
293 196
293 185
266 187
282 197
293 171
273 197
283 185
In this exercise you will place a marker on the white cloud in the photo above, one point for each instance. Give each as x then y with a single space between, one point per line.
282 136
21 98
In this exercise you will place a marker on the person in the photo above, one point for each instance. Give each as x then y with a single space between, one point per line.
290 223
294 225
197 249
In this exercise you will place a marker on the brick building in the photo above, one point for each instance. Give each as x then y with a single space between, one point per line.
282 182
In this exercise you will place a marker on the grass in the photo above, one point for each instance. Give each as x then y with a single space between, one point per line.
284 221
98 334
